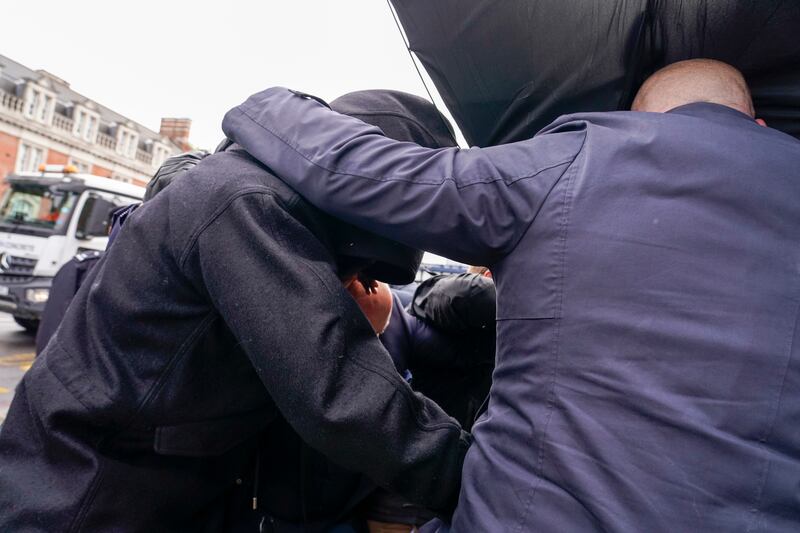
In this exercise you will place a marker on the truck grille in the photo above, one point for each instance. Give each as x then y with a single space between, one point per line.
13 267
9 280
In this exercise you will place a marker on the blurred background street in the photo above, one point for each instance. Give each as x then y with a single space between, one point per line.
16 356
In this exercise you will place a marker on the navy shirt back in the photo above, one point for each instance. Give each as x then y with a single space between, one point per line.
648 375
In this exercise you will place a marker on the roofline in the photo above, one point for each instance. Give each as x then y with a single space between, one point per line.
35 75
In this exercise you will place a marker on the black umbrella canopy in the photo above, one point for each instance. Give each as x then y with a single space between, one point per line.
507 68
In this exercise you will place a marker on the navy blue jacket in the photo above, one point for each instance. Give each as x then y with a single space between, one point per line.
217 312
66 283
446 341
647 279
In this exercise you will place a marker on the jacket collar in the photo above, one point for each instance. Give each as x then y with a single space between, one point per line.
711 111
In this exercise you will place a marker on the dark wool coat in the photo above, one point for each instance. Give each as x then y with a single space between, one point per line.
217 310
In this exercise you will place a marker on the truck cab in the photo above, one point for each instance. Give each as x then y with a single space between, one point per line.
46 218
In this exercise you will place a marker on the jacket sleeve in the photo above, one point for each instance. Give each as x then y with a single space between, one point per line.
471 205
273 283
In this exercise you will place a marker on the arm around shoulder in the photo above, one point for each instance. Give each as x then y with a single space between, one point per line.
472 205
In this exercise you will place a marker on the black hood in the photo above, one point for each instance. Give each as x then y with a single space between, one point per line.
403 117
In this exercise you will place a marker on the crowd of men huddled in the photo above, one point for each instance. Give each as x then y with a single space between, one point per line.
625 360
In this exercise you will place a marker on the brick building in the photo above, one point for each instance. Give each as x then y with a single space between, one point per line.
42 120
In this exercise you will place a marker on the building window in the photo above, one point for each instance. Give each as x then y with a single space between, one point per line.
44 109
33 103
30 157
39 106
83 168
127 142
80 123
122 142
160 154
85 125
91 129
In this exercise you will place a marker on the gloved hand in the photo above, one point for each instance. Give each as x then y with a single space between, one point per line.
172 167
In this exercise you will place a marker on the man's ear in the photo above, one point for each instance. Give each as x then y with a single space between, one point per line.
761 122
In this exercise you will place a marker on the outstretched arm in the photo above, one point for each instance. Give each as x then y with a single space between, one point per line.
471 205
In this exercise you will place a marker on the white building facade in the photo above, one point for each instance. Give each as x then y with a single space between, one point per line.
42 120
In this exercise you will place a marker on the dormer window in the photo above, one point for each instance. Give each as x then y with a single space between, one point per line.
33 103
86 124
44 109
39 104
127 141
160 153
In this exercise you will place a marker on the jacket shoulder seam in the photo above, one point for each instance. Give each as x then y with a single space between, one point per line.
195 236
555 182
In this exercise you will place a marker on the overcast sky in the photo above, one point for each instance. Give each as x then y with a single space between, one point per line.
150 59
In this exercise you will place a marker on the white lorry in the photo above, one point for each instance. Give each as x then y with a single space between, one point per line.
46 218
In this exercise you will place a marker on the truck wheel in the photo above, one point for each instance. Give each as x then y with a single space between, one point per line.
30 324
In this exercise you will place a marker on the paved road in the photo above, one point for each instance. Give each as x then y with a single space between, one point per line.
16 356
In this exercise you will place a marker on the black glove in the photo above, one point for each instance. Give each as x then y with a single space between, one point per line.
172 167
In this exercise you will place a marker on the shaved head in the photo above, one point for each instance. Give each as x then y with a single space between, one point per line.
695 80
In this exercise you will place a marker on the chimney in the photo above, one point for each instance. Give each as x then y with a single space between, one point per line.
177 130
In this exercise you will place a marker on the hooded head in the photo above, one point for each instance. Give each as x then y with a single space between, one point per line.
402 117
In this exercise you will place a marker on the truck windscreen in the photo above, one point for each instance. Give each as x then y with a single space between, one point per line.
37 207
